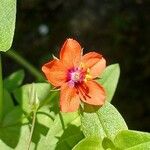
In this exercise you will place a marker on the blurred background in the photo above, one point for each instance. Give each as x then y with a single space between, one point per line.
118 29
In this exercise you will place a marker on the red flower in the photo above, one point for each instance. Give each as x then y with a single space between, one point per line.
75 75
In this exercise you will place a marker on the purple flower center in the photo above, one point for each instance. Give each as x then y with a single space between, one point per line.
75 76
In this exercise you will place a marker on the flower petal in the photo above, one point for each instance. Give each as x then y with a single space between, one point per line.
71 53
95 62
92 93
55 72
69 100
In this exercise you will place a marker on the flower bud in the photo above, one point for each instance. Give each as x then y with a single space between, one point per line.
33 98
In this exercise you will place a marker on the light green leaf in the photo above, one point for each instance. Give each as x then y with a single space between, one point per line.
109 80
44 121
63 134
143 146
15 126
45 117
4 146
7 23
103 122
132 140
14 80
22 94
89 143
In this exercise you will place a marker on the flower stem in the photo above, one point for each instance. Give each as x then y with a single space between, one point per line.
14 55
1 91
32 129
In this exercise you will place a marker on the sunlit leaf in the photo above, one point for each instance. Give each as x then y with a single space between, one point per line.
109 79
22 94
63 134
143 146
7 23
44 121
103 122
89 143
132 140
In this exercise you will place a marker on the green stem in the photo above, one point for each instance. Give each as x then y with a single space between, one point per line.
14 55
1 90
32 129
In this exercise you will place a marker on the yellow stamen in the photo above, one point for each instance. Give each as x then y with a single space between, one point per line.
88 76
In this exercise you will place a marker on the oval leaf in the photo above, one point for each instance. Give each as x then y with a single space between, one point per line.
132 140
103 122
7 23
14 80
144 146
89 143
109 80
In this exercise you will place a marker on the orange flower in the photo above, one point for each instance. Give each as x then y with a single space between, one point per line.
75 75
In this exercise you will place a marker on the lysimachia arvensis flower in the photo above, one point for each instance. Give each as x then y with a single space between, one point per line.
74 74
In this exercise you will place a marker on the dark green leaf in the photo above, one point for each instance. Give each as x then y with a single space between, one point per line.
14 116
12 133
14 80
8 102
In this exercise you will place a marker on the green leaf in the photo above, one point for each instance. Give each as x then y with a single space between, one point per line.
45 117
11 129
103 122
8 102
22 94
44 121
7 23
14 80
132 140
144 146
109 80
14 130
13 117
108 144
63 134
14 137
89 143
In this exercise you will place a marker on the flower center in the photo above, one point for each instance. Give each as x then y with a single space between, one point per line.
75 76
78 75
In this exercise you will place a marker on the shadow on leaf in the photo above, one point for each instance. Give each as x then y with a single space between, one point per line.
71 136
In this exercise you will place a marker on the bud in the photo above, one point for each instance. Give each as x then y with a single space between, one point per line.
33 98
